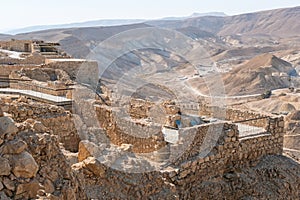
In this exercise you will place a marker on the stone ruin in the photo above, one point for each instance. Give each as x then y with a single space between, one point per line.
46 80
31 46
185 156
101 150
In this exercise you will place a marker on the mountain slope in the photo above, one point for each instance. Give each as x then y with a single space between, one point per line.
107 22
258 75
280 22
104 22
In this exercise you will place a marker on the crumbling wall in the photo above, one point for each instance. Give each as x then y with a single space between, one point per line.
6 70
32 164
118 136
59 121
88 69
220 167
234 115
139 108
34 59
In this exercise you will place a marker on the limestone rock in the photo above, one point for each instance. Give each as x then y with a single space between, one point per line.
83 152
4 167
95 166
7 126
9 184
87 149
1 187
13 147
24 165
23 99
28 190
49 187
3 196
39 127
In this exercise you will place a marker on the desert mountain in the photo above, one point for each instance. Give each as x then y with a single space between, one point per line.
104 22
229 40
281 22
264 72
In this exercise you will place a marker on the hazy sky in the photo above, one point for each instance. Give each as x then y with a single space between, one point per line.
23 13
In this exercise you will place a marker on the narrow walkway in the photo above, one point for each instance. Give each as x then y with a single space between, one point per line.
47 98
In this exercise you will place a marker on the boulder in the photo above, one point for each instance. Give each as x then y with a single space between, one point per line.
28 190
13 147
4 167
49 187
9 184
7 126
24 165
3 196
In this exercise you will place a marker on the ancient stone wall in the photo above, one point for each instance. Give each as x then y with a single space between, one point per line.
139 108
223 138
32 165
48 81
116 131
5 70
55 118
34 59
234 115
53 88
16 45
88 69
228 154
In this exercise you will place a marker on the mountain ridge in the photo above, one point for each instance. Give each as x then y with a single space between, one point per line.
102 22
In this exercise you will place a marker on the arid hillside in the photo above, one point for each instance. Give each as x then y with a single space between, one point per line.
281 23
262 73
